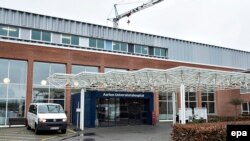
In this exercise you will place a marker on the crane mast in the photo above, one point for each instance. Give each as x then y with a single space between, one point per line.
132 11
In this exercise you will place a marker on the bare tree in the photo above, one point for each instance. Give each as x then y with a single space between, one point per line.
236 102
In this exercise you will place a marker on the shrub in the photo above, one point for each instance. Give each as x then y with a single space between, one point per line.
202 131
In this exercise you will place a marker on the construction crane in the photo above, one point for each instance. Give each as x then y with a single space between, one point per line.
130 12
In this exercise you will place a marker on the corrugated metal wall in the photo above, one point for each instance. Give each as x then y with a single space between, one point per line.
177 49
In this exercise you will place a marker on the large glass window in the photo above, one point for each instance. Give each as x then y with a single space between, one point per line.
70 39
42 91
166 106
244 90
40 35
190 99
13 76
9 31
78 69
245 108
208 101
141 49
161 52
96 43
113 69
118 46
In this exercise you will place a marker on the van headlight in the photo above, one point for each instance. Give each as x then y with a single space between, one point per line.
64 119
42 120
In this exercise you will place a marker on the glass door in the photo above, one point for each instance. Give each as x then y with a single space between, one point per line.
166 106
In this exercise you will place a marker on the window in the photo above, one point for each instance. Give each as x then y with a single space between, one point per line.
245 108
160 52
208 101
141 49
9 31
40 35
70 39
13 75
113 69
96 43
77 69
166 106
42 91
244 90
117 46
190 99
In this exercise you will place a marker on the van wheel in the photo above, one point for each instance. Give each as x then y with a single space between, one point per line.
63 131
28 127
36 130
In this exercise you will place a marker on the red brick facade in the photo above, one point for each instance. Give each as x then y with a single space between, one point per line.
32 53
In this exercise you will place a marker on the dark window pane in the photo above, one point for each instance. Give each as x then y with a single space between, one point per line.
46 36
57 94
204 97
192 104
211 96
92 42
16 108
100 43
40 94
204 104
211 108
66 39
74 40
163 110
13 32
3 30
244 107
163 96
61 102
36 35
2 111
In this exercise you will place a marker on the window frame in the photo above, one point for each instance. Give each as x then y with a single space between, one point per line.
120 46
161 50
207 101
8 31
70 39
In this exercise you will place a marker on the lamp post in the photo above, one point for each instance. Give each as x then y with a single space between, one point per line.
7 82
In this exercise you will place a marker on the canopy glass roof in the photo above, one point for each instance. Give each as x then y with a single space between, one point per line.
153 80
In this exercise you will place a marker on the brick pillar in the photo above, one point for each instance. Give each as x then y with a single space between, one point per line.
67 102
101 69
29 85
156 104
199 98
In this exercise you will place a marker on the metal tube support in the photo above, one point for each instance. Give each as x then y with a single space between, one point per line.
174 107
82 109
183 108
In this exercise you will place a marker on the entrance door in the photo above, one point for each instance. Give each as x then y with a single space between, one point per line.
122 111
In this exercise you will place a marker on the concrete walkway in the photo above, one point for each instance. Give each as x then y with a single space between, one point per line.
161 132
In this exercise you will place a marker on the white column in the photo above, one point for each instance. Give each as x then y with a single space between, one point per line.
174 107
82 109
183 114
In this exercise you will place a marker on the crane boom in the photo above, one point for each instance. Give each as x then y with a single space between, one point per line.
132 11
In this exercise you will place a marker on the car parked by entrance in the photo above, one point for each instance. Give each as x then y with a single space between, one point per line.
46 116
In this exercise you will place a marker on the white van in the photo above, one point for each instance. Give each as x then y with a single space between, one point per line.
46 116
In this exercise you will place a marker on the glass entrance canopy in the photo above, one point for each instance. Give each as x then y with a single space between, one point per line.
152 80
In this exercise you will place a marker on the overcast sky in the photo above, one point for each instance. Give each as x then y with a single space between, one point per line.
223 23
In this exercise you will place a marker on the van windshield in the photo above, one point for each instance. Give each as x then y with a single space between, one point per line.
50 109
